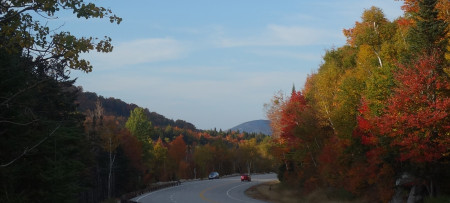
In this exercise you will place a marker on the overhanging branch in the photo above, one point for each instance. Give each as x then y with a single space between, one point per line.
26 150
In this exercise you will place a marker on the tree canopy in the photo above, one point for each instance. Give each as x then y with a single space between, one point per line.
22 31
377 109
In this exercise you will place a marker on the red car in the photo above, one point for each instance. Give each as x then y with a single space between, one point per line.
246 177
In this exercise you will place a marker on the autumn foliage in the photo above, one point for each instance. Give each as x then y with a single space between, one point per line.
378 108
417 117
130 153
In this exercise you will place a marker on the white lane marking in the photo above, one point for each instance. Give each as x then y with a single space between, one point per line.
228 192
172 198
143 196
168 188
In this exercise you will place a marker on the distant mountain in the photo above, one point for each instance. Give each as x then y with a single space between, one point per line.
256 126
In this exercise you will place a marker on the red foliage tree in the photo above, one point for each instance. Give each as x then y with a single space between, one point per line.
291 117
413 128
371 169
133 150
417 115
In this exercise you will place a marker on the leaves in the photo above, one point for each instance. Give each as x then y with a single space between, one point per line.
139 125
418 112
376 108
41 133
20 33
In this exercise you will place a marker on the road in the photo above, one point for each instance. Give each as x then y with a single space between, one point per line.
222 190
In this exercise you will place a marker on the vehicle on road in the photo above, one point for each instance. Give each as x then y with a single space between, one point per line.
246 177
224 189
213 175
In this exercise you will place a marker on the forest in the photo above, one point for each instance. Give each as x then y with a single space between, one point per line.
374 118
372 121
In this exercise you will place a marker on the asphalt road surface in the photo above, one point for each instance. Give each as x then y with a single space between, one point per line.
222 190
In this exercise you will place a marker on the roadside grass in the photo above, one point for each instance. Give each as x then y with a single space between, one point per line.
111 200
439 199
275 192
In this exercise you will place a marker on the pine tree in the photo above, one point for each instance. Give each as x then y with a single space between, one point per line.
429 34
43 149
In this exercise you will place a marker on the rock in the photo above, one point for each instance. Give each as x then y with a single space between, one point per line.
409 185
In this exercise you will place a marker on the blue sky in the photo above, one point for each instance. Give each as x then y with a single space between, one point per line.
214 63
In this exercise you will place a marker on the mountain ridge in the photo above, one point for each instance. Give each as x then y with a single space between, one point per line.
116 107
254 126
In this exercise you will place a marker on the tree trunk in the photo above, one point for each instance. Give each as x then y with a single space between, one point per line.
111 163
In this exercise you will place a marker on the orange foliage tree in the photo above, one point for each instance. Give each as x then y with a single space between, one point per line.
177 155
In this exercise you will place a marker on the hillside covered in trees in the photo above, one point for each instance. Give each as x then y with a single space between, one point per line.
115 107
374 119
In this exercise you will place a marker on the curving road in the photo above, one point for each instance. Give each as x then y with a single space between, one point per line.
207 191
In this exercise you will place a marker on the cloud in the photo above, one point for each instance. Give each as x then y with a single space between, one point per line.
138 52
280 35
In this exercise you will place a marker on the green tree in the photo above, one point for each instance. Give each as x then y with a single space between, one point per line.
159 161
379 88
139 125
430 32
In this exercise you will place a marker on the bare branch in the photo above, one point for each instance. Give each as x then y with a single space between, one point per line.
6 121
20 92
26 150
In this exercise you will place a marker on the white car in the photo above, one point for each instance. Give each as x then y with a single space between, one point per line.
213 175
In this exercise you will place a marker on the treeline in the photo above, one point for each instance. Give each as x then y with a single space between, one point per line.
374 119
116 107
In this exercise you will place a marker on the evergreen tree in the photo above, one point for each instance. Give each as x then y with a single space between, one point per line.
43 149
429 34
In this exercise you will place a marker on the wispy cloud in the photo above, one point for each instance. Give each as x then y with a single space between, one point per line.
280 35
138 52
